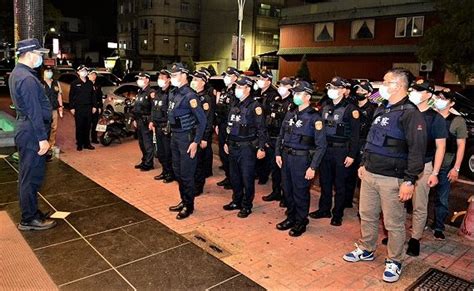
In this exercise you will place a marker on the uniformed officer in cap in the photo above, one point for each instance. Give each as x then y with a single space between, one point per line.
142 119
54 94
188 123
342 123
31 138
277 109
224 100
392 161
245 144
98 104
159 125
82 101
363 90
299 149
198 84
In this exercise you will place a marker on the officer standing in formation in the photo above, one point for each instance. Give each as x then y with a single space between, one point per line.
420 94
142 119
98 105
81 101
54 94
299 149
266 95
245 144
274 120
33 121
392 161
207 102
224 101
188 123
363 90
342 125
159 125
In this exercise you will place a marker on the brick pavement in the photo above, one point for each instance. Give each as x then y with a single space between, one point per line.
258 250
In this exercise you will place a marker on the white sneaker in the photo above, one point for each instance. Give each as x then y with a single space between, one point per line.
392 271
358 255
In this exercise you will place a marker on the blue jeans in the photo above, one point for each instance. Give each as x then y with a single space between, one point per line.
442 198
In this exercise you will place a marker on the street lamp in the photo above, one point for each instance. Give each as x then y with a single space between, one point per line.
52 29
241 4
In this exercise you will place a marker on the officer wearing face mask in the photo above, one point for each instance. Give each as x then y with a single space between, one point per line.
274 120
54 94
98 105
224 99
81 101
342 123
159 125
420 93
299 149
142 119
33 120
204 152
188 123
266 94
245 144
363 90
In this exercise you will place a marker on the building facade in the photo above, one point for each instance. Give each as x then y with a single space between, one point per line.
158 31
355 39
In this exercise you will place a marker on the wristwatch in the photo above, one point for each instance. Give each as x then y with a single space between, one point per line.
456 169
408 183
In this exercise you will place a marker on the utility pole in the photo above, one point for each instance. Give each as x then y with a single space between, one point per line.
241 4
28 19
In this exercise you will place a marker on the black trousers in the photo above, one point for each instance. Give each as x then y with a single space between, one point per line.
202 165
83 118
222 140
275 170
145 140
208 158
163 150
352 178
242 174
94 121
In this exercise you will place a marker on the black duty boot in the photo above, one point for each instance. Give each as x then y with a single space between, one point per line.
274 196
413 247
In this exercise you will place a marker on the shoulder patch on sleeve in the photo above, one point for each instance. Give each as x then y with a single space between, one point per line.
205 106
258 110
193 103
318 125
355 114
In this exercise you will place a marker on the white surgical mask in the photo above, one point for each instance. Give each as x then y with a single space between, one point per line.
38 62
48 75
333 94
441 104
194 85
239 93
227 80
383 91
83 73
141 83
283 91
161 83
175 82
261 84
415 97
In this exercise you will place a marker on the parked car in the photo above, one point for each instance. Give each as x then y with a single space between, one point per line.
115 100
132 76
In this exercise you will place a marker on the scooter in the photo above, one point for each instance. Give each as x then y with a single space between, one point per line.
116 125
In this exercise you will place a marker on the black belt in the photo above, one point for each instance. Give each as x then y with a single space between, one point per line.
293 152
240 143
337 144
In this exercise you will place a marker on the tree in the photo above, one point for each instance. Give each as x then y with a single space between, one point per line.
157 64
254 67
189 64
211 70
450 42
303 72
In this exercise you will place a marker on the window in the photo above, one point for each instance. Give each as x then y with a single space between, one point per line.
184 5
166 40
362 29
144 23
268 38
147 4
145 44
409 26
324 31
188 47
121 9
268 10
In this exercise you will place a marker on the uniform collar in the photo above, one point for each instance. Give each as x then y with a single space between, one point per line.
247 100
405 100
23 66
340 104
304 110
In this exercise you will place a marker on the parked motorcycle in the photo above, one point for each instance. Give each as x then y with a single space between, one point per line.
116 125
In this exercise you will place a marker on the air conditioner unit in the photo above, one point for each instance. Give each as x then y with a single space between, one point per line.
426 66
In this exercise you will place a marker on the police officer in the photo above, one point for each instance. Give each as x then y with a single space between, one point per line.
363 90
266 95
159 125
299 149
342 134
392 161
188 123
54 94
31 138
142 118
245 144
420 93
98 104
274 120
81 102
224 100
207 101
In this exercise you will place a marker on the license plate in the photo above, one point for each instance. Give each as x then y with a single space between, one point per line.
101 127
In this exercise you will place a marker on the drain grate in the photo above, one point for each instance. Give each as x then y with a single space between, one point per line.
435 279
207 244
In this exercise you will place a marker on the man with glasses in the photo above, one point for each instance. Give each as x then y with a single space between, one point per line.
391 163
